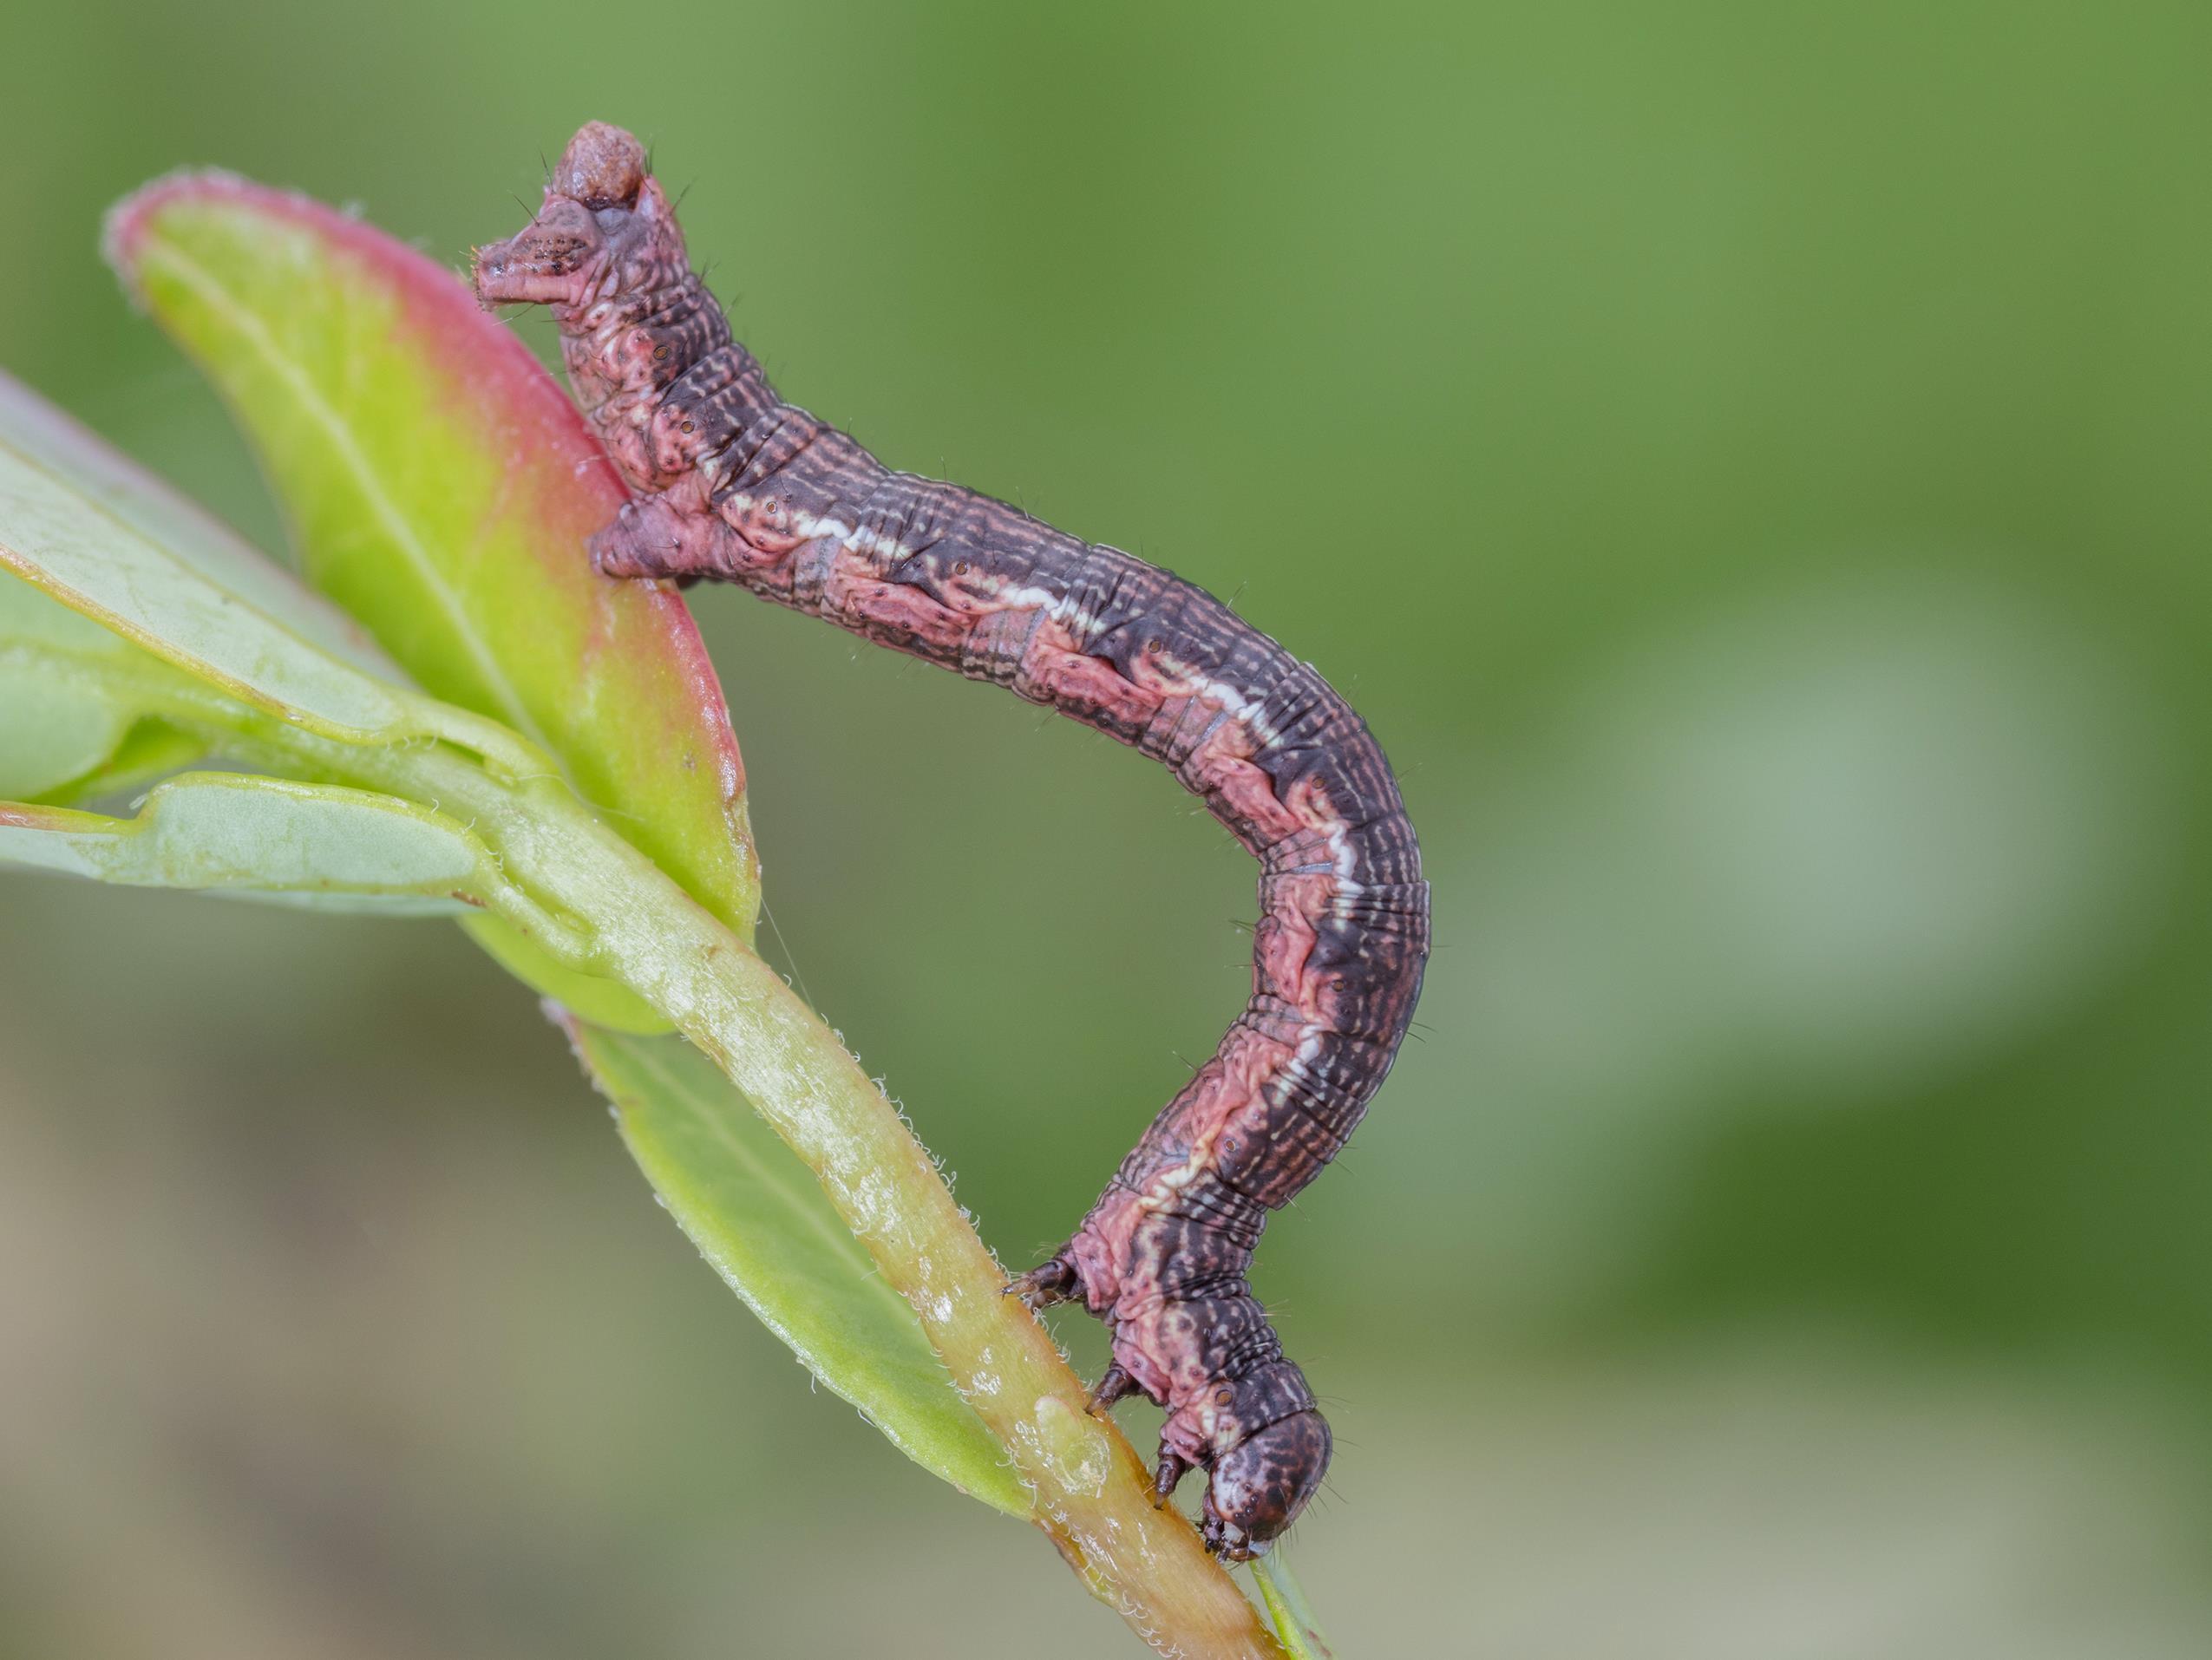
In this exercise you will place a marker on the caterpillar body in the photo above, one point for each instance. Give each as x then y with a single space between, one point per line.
736 484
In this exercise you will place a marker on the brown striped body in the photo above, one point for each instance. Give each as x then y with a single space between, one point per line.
739 486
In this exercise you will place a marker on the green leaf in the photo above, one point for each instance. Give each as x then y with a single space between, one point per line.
118 486
589 997
1288 1610
85 548
440 487
150 750
234 833
79 706
50 735
758 1215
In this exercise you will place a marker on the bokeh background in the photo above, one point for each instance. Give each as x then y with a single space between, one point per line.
1749 463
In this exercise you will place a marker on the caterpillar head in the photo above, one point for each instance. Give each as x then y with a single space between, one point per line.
590 200
603 167
1259 1486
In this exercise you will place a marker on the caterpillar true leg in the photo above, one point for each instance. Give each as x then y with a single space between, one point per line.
1114 1385
739 486
1050 1282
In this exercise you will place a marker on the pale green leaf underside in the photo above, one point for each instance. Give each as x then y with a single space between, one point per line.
234 833
82 709
49 734
758 1215
149 751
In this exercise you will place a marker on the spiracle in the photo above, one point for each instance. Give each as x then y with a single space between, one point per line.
736 484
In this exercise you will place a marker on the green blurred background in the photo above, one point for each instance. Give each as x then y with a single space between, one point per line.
1747 461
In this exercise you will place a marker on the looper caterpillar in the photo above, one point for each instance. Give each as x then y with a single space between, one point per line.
738 485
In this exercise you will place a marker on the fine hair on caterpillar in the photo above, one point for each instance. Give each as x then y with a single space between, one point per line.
736 484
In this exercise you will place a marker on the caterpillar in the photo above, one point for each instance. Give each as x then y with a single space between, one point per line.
736 484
